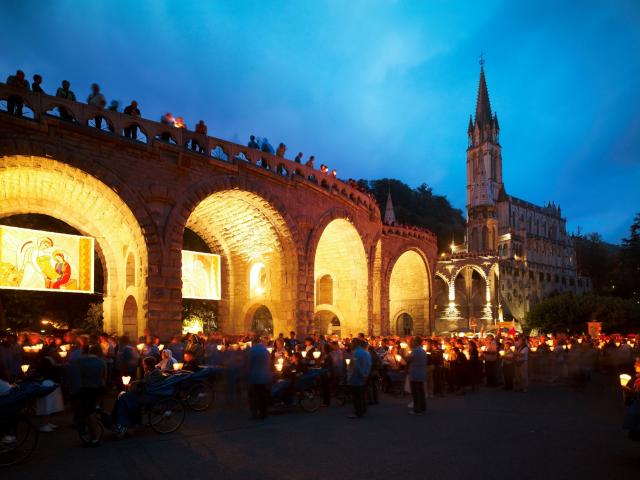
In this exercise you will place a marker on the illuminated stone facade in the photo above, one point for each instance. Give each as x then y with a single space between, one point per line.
306 246
520 252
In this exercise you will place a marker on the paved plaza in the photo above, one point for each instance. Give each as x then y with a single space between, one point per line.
551 432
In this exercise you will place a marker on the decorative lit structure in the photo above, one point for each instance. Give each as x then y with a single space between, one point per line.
298 250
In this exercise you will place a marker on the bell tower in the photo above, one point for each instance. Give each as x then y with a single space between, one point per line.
484 173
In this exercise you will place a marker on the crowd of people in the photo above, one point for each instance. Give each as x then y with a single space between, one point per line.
87 367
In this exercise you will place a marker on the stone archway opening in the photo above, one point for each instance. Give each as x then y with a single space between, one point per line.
404 325
340 254
258 257
262 321
470 297
409 290
37 185
327 322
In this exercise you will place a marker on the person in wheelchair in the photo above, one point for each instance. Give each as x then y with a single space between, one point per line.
294 370
126 411
190 362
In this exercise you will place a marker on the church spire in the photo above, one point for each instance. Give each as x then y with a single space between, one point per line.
483 106
389 212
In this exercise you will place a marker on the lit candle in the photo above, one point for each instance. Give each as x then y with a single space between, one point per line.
125 380
279 366
513 349
624 379
424 347
483 348
220 347
270 349
403 345
140 346
398 358
281 360
533 349
304 354
579 340
178 366
316 355
347 361
24 368
161 347
62 354
502 354
617 344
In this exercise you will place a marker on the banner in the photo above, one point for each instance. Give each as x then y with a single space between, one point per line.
200 275
39 260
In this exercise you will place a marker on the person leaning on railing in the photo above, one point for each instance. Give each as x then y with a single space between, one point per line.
65 92
15 103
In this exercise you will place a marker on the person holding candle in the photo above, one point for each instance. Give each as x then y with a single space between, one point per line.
417 371
128 403
86 377
359 370
259 379
167 362
521 362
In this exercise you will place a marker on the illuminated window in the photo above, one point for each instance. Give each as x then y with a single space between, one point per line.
258 279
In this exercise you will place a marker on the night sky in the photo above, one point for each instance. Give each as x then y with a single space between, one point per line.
373 88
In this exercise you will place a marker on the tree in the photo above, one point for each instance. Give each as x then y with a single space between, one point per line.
568 312
595 259
627 272
420 207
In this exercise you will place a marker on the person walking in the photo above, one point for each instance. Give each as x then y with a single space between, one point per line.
359 370
259 379
417 371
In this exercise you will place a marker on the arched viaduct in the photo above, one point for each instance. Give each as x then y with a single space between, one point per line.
324 253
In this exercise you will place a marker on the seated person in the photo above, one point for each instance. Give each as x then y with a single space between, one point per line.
127 406
167 361
190 363
295 369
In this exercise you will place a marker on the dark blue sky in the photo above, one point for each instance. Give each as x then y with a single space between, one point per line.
374 88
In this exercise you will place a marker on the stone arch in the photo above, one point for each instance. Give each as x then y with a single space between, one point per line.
245 225
31 184
403 323
324 290
340 252
410 288
130 272
130 325
324 315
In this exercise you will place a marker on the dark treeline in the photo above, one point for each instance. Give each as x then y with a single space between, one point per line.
420 207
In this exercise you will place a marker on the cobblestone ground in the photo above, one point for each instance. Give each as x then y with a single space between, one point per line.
551 432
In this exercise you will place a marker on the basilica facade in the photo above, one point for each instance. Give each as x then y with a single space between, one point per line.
515 254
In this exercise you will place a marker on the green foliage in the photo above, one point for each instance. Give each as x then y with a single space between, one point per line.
205 311
93 321
627 272
596 260
420 207
568 312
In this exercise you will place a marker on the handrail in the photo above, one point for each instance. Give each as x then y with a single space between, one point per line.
42 104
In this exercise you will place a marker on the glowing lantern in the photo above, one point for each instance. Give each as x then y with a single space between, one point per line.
178 366
269 349
24 368
304 354
316 355
403 345
140 346
279 366
398 358
502 353
533 349
483 348
62 354
125 380
347 361
220 347
281 360
424 347
161 347
624 379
